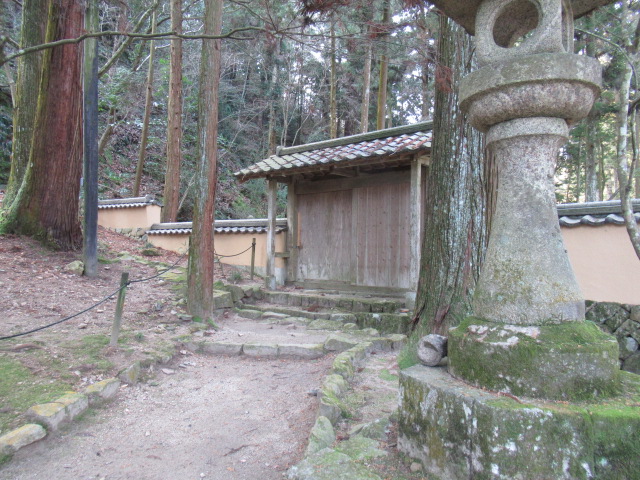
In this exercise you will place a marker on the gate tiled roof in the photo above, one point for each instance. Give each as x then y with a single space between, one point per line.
342 152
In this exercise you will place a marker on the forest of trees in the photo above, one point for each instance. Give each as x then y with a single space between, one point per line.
299 76
284 73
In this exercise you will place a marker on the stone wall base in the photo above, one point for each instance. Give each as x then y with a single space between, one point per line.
460 432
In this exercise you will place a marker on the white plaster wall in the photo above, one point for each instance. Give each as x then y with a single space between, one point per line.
604 262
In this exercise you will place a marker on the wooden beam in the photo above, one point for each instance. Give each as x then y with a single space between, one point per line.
415 215
272 195
338 184
344 172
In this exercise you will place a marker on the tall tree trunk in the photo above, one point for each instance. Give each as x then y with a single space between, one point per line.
591 167
90 141
366 90
333 79
591 170
34 23
274 96
174 120
108 131
623 172
46 204
147 112
384 69
201 250
425 90
459 186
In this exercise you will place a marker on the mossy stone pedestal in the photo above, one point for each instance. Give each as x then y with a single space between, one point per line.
460 432
570 361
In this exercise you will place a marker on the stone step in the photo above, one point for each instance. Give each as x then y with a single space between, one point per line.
338 342
346 303
383 322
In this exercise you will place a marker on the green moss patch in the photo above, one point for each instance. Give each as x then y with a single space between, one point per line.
20 389
545 439
388 376
90 350
572 361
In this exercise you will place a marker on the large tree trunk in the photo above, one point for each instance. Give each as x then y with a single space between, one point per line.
90 140
333 87
174 120
366 90
46 204
34 23
274 97
201 251
458 186
384 69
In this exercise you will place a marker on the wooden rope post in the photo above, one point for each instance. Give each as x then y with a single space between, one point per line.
117 320
253 255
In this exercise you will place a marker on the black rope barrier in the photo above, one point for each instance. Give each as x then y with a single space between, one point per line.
229 256
63 319
140 280
174 265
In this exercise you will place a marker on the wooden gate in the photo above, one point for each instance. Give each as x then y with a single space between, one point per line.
357 236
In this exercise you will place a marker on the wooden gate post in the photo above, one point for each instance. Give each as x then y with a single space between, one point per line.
272 193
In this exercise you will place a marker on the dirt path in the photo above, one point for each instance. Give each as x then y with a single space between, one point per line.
218 418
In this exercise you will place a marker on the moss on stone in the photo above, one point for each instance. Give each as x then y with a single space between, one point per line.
384 322
329 464
343 366
330 399
361 448
458 431
572 361
322 435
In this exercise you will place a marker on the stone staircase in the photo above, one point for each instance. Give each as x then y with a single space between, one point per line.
386 314
341 322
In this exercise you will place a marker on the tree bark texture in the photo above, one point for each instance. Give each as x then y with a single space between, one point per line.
46 204
90 141
366 90
201 250
623 172
591 167
459 187
384 69
174 120
34 23
333 80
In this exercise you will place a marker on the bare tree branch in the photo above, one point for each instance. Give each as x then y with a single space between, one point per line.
105 68
232 34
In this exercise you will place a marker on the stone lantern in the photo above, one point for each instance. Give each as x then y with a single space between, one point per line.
527 336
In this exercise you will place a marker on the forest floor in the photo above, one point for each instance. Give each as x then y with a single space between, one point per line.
196 416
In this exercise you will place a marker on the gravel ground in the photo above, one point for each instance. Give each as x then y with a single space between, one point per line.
206 417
